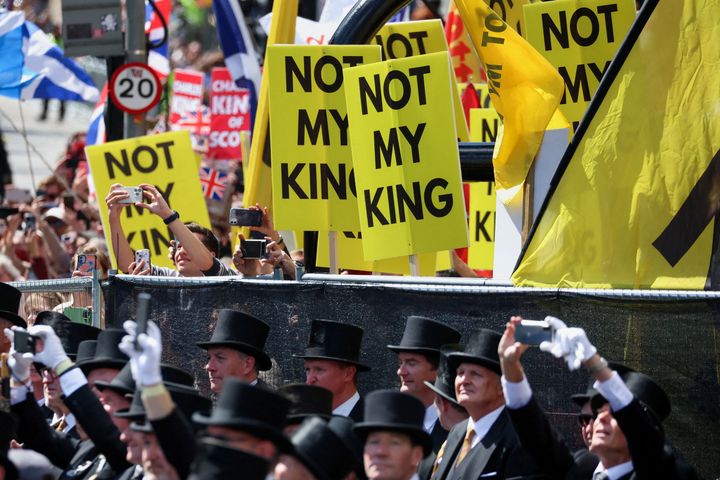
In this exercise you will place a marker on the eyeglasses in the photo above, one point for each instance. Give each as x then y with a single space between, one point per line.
584 419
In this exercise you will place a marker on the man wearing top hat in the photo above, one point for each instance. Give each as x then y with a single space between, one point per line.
393 434
9 308
627 410
332 361
236 350
418 360
305 401
485 445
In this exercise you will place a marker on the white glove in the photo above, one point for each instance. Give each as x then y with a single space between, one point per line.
53 353
145 362
19 363
571 344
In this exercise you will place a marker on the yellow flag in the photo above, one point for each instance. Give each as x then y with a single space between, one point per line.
525 90
637 205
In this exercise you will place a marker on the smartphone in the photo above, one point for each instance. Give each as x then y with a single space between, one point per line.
143 254
534 332
7 211
85 264
135 195
244 217
253 249
30 222
18 195
24 342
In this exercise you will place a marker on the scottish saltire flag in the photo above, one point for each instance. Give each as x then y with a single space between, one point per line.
57 76
213 183
13 74
158 57
237 45
96 129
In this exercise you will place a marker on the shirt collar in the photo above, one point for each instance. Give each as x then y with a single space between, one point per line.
346 407
431 417
616 472
483 424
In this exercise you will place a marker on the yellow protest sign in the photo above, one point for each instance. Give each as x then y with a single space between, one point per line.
405 155
481 214
167 161
407 39
484 124
313 186
511 12
580 38
350 257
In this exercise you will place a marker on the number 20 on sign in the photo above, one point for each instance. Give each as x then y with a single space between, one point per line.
135 88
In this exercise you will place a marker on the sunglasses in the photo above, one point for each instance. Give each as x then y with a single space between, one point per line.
584 419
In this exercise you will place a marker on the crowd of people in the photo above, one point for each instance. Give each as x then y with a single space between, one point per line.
81 402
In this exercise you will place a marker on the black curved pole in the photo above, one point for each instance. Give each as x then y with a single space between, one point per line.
364 21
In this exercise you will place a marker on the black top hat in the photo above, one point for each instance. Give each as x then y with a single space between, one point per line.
646 390
242 332
124 384
86 351
305 401
255 410
344 429
581 399
10 304
391 410
216 459
107 353
187 400
335 341
423 335
69 332
321 450
481 348
445 381
136 411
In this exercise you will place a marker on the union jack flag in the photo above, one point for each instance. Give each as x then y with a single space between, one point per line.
213 183
196 122
158 57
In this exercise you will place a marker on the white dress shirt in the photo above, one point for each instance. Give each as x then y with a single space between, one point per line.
346 407
483 424
431 416
617 471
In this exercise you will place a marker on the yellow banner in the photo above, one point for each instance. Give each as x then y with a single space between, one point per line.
482 225
408 39
350 257
167 161
580 38
511 12
313 185
524 87
405 155
637 204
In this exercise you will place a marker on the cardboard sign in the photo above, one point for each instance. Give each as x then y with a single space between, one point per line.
187 94
166 161
350 257
484 124
313 183
580 38
481 217
408 39
405 156
230 115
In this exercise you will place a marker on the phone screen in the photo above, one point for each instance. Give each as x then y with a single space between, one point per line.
85 264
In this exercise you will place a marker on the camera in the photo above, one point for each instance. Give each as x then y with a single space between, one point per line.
534 332
142 255
24 342
135 195
253 249
30 222
85 264
244 217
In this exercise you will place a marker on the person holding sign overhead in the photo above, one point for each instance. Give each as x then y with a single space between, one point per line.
194 249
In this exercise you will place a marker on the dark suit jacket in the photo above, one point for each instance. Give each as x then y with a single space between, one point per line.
497 456
177 440
358 411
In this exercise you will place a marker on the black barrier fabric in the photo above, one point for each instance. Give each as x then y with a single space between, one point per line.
675 341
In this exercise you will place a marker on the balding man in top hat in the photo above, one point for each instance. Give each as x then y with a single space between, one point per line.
332 361
236 350
418 360
485 445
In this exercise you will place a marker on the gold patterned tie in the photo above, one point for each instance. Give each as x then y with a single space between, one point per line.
467 443
61 425
438 458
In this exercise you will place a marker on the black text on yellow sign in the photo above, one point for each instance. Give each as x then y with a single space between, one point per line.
313 181
165 161
405 156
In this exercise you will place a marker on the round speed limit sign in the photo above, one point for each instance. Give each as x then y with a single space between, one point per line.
135 88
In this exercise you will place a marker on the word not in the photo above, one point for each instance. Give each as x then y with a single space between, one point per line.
144 158
308 72
560 32
381 95
393 39
399 202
